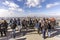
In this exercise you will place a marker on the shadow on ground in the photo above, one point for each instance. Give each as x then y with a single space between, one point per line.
22 39
57 32
23 33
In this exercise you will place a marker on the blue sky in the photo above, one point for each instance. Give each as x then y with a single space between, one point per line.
19 8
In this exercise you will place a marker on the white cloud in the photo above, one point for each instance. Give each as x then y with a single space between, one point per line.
5 13
52 5
6 3
20 10
12 6
33 3
9 13
11 10
39 6
3 10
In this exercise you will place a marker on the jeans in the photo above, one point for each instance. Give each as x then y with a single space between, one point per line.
38 30
19 27
13 33
49 32
44 33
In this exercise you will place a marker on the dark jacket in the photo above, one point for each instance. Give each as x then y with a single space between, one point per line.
18 22
3 27
0 27
13 25
39 25
49 26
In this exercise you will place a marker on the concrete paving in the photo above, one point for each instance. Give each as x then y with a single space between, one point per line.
31 34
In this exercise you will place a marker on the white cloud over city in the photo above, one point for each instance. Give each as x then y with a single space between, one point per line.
52 4
11 8
28 8
34 3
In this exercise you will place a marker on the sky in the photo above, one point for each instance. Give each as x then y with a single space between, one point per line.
23 8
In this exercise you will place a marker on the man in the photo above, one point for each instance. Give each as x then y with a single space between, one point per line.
39 28
44 27
4 26
13 27
23 24
1 30
18 24
49 29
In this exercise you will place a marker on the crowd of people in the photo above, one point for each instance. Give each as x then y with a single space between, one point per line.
43 26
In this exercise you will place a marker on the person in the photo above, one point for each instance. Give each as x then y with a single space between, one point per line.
10 23
37 26
23 24
4 26
49 29
18 24
13 27
1 30
30 23
44 28
40 28
11 20
27 24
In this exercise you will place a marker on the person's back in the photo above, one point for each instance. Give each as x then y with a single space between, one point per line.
2 26
46 25
14 28
14 25
37 24
11 21
30 22
42 24
18 22
15 21
49 25
5 24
